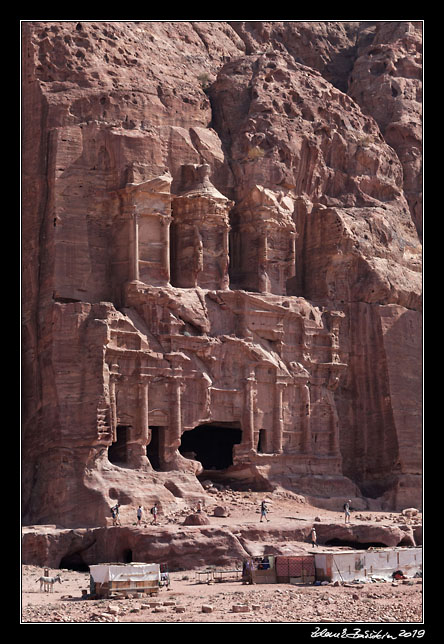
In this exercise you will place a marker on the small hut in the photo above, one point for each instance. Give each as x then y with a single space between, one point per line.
116 579
282 569
367 564
259 570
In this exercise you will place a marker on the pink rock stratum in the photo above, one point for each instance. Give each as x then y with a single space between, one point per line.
221 243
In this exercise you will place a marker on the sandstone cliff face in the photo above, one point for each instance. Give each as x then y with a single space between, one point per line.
222 268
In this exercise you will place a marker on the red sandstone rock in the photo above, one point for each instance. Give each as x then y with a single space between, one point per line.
386 80
196 519
247 263
195 545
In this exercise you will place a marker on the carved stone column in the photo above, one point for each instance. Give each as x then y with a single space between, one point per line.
278 421
175 433
165 221
113 377
143 430
305 419
134 248
248 425
293 236
170 458
224 283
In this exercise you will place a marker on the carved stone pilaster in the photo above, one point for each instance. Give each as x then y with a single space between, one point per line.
113 378
143 422
278 421
248 425
305 419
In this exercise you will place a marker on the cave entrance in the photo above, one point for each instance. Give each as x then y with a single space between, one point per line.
117 451
74 561
211 444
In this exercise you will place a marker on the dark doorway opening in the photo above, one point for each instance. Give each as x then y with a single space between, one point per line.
212 444
152 449
117 452
74 561
261 442
127 556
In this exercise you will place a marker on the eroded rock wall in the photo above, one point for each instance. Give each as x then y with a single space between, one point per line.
220 228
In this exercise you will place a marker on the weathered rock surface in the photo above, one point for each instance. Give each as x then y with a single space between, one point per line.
196 519
221 262
386 81
195 545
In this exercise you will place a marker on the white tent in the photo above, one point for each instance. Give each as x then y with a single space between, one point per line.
125 577
125 572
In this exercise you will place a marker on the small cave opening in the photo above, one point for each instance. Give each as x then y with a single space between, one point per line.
211 444
74 561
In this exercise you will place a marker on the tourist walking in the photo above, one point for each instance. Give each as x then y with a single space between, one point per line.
115 514
264 511
313 538
154 513
139 515
347 511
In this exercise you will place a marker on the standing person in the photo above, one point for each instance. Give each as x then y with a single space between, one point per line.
154 513
347 511
313 538
116 516
264 511
139 514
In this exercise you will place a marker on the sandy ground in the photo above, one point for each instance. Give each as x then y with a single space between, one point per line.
191 600
265 603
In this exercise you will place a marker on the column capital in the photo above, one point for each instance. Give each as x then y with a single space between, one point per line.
164 219
114 373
